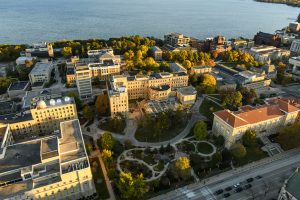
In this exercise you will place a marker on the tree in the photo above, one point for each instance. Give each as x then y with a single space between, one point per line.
150 62
187 64
106 141
4 84
76 99
249 138
233 98
66 52
200 130
216 159
289 136
106 154
88 112
102 105
130 187
219 140
238 150
207 84
182 163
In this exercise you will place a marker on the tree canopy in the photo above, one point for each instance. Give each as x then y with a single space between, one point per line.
238 150
289 136
249 138
106 141
207 84
131 187
88 112
200 130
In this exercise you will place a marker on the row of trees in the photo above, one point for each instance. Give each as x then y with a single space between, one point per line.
244 59
10 52
78 47
190 58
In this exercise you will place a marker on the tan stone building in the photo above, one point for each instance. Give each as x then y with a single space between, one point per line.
53 167
265 120
177 39
44 117
122 88
201 70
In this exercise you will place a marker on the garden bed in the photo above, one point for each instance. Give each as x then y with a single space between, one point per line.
204 148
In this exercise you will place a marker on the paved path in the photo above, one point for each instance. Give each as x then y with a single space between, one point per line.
131 127
268 165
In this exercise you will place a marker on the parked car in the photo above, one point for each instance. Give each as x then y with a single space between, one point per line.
258 177
226 195
247 186
249 180
237 185
220 191
238 189
228 188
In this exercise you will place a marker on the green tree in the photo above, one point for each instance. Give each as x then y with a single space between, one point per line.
249 138
102 104
207 84
66 52
289 136
238 150
200 130
130 187
106 141
187 64
182 168
4 84
216 160
77 100
88 112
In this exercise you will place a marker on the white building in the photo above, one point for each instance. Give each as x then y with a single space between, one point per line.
295 47
295 65
265 53
41 72
22 60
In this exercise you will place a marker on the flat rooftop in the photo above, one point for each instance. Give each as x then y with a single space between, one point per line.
19 85
43 94
21 155
41 68
189 90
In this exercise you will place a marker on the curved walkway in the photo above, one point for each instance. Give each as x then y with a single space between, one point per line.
131 127
124 156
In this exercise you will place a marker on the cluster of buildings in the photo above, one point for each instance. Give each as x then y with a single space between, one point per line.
157 86
42 153
265 119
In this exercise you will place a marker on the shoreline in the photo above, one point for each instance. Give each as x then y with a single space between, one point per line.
280 2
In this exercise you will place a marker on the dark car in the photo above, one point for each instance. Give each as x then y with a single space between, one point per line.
220 191
249 180
226 195
258 177
238 189
228 188
247 186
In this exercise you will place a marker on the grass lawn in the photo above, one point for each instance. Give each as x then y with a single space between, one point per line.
208 107
143 136
253 154
204 148
147 158
99 179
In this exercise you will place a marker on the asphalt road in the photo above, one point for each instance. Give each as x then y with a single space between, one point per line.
273 175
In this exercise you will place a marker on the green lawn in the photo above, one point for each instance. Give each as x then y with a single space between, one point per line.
208 107
99 179
147 158
253 154
204 148
116 126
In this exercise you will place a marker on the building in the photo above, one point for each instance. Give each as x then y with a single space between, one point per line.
23 59
290 189
43 117
7 107
40 50
186 95
294 27
17 89
242 43
52 167
123 88
177 39
156 52
176 67
99 52
295 48
265 119
201 70
265 53
262 38
104 69
83 80
41 73
295 65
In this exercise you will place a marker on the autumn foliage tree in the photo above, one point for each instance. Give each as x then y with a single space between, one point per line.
207 84
238 150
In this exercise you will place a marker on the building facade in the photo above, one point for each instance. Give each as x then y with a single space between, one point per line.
265 120
47 168
41 73
295 48
83 81
177 39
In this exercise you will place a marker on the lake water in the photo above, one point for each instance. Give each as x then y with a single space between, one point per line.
28 21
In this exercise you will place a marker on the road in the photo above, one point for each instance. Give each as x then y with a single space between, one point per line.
274 171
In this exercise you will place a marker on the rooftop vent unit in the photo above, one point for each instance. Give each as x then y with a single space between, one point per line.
67 99
58 101
52 102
